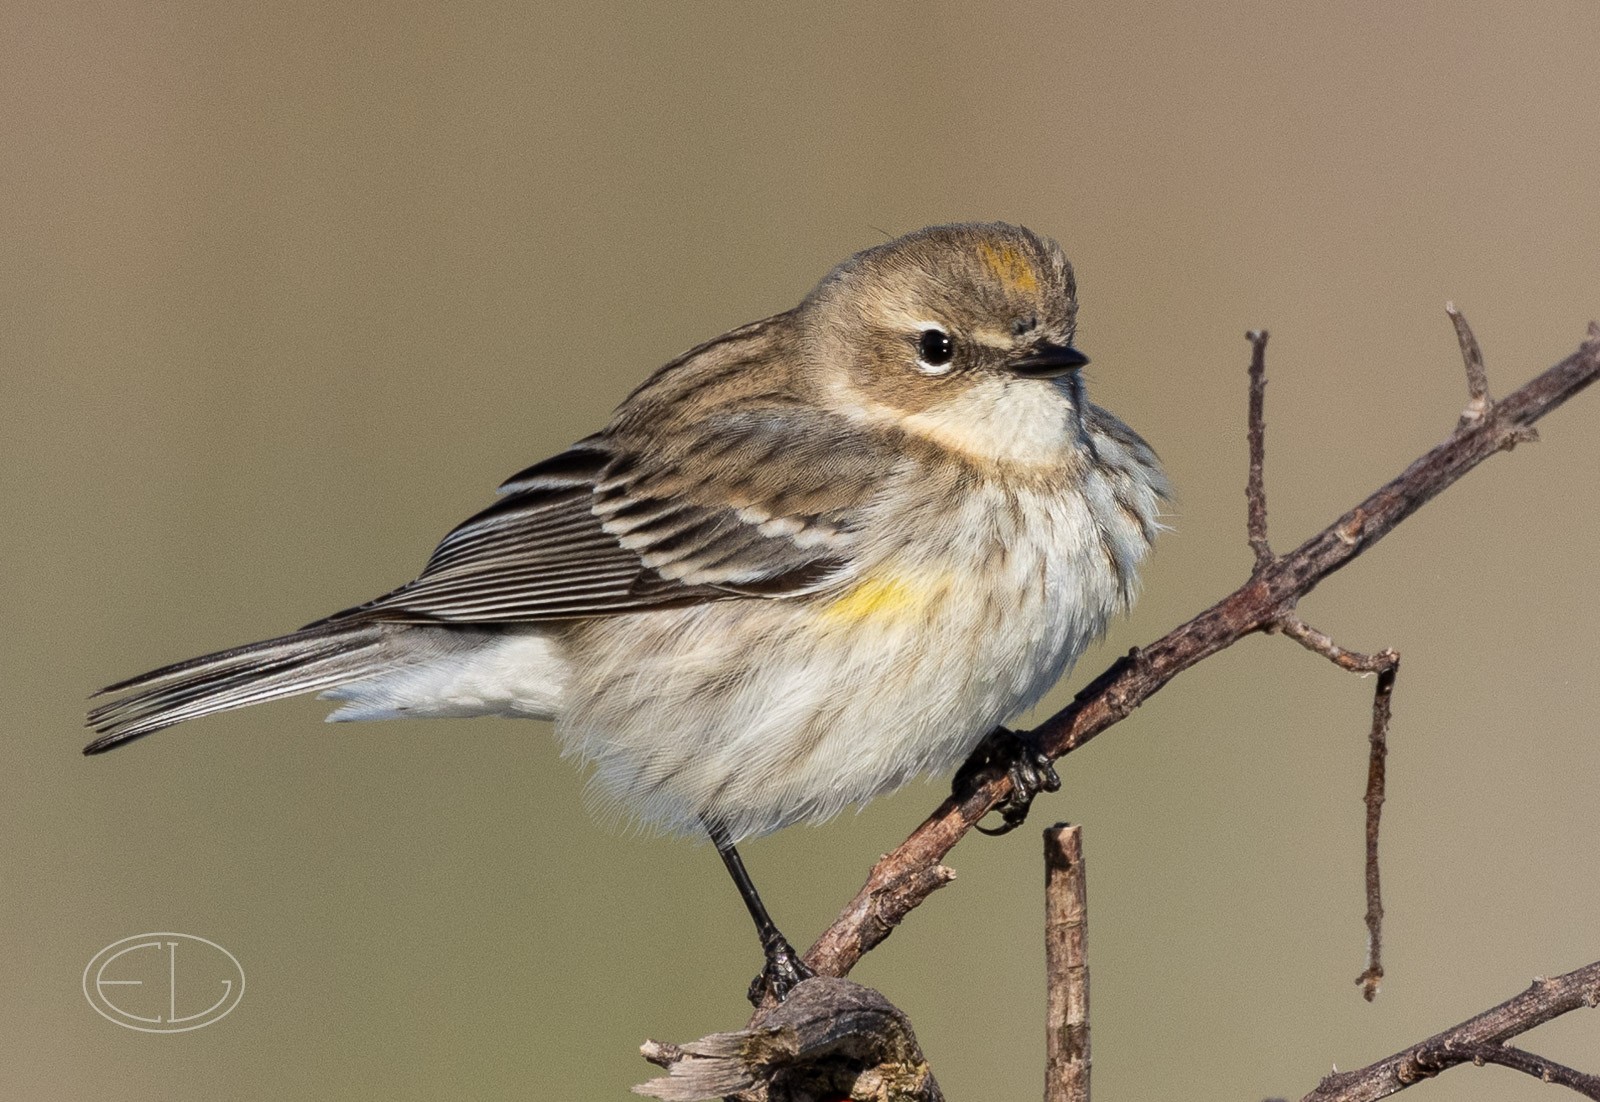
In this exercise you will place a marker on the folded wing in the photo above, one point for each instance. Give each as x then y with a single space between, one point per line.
757 502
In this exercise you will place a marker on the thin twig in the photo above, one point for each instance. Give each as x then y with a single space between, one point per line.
1066 959
1547 1071
1320 643
1378 752
1464 1043
1255 487
1386 664
1260 603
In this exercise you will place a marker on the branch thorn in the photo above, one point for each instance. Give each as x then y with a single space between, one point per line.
1479 404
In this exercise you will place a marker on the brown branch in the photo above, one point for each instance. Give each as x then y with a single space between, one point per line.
1477 1039
1528 1063
1066 918
896 884
1386 664
1255 491
1378 753
1319 643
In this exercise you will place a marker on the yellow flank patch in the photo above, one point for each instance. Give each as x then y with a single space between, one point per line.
1010 267
883 598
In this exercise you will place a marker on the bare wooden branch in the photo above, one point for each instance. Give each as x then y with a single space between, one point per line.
1066 959
1473 1041
1320 643
829 1040
1528 1063
1377 756
1261 603
1255 486
890 893
1386 664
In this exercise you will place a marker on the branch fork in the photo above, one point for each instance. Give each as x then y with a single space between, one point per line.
1286 621
1479 1040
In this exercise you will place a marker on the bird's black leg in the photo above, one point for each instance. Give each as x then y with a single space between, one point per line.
1030 770
784 968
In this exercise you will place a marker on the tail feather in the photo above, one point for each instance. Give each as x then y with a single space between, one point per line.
301 662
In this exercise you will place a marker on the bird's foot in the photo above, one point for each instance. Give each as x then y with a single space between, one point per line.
784 971
1030 769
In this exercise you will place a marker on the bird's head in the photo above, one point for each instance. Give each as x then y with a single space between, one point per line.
959 333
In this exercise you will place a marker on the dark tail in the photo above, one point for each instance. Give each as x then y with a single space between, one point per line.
305 661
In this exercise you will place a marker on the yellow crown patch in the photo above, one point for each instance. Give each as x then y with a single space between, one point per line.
1010 267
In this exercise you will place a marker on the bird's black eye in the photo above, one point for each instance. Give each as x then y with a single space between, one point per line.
935 349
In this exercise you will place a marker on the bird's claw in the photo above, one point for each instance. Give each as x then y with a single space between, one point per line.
784 971
1030 769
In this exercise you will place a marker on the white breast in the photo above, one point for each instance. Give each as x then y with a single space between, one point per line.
757 714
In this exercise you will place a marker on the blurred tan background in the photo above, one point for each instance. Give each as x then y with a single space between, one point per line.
288 287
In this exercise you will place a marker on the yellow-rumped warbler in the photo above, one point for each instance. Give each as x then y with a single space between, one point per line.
805 562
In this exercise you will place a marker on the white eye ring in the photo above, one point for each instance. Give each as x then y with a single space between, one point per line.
936 351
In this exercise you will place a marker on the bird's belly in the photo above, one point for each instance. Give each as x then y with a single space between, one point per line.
757 714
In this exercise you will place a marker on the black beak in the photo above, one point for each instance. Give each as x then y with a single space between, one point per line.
1048 361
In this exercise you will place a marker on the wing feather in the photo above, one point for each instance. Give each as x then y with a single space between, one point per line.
749 504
